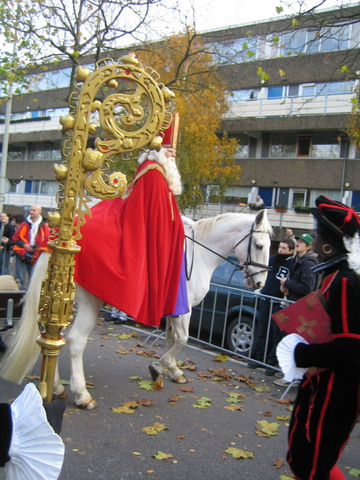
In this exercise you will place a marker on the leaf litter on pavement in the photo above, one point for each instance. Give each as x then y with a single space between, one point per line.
232 402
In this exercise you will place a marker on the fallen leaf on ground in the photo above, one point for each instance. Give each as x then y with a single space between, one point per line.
233 407
204 375
162 456
267 414
187 364
235 397
279 462
248 379
155 428
202 402
186 389
221 358
128 407
355 472
283 419
175 398
237 453
145 403
148 354
145 384
266 429
158 385
221 372
261 389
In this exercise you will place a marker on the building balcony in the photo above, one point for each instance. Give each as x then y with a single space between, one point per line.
32 125
23 201
291 106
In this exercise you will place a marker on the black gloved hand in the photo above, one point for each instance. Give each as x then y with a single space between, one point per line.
5 432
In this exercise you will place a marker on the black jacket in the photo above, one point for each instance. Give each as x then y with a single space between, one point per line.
302 280
8 232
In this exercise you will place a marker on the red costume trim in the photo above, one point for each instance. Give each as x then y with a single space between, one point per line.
320 424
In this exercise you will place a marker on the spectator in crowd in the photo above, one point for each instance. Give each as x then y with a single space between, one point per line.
289 233
6 243
279 267
31 233
301 280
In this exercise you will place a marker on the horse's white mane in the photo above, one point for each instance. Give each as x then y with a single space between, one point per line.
204 224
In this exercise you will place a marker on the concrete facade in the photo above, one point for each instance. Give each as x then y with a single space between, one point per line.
270 117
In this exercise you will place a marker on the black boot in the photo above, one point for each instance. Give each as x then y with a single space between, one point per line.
3 347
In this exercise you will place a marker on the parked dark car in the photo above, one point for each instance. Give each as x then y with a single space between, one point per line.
227 314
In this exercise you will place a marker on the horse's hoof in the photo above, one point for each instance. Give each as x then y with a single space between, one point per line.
87 405
154 372
180 379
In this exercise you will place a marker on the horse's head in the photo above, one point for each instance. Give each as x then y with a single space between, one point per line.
257 246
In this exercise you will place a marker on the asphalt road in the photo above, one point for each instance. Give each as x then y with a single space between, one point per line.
102 444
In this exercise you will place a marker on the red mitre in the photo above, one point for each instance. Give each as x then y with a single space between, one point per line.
171 134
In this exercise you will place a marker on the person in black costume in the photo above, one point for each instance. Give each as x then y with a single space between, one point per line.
328 402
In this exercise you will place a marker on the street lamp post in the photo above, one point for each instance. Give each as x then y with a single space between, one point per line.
5 148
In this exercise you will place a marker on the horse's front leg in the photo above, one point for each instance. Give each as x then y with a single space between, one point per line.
177 334
85 320
58 386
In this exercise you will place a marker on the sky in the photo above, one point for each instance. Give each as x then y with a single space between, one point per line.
217 14
214 14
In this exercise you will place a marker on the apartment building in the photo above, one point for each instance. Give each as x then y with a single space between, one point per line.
289 108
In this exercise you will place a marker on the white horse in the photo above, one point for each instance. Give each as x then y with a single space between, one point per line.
209 241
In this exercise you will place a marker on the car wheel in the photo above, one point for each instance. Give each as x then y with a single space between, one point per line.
239 335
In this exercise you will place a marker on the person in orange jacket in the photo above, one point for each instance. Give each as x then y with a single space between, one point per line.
31 233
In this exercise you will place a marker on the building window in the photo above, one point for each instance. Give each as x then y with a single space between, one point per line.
244 95
307 90
297 197
293 43
326 145
283 145
293 90
243 147
275 92
45 152
238 50
303 146
16 153
41 187
334 38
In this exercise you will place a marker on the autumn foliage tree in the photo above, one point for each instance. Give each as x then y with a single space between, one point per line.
205 158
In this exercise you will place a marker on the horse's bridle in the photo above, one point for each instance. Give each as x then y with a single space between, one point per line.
239 266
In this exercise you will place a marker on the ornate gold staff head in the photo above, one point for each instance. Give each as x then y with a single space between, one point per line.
118 109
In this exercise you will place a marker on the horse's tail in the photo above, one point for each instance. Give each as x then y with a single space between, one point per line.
23 352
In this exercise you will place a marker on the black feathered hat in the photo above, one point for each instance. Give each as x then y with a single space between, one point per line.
336 216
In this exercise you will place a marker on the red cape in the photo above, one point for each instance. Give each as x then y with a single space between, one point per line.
131 249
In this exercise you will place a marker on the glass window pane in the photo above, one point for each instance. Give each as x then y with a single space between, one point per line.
275 92
293 43
334 38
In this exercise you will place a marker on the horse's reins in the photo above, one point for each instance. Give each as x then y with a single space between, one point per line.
239 266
